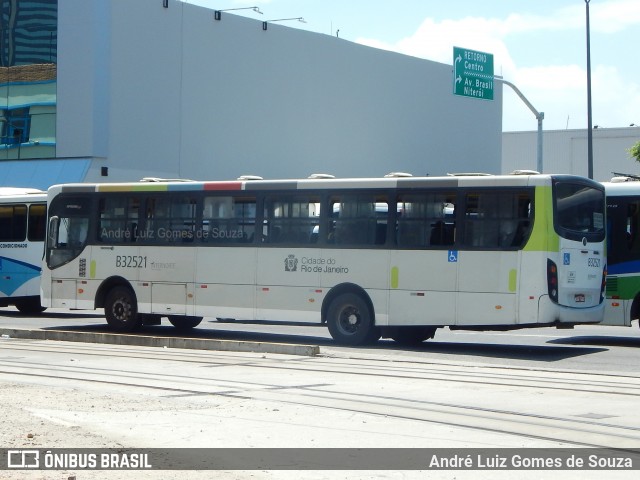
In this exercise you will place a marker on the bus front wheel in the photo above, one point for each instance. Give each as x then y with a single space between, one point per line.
350 320
121 310
184 323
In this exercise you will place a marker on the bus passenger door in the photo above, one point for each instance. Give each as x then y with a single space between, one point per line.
423 287
423 267
494 225
487 285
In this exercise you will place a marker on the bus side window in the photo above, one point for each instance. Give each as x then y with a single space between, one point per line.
358 219
228 220
118 219
13 223
425 220
37 223
497 220
292 220
632 227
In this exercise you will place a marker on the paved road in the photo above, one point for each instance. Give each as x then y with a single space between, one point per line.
590 348
536 388
72 395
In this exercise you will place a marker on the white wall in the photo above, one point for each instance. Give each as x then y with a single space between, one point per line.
82 120
565 151
172 92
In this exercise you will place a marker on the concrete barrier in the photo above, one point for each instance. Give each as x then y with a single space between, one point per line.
169 342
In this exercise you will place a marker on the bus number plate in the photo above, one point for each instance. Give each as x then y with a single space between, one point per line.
593 262
579 298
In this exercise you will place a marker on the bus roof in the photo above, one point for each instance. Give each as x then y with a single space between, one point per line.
24 195
622 188
12 191
318 183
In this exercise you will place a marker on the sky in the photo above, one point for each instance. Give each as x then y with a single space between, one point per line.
540 46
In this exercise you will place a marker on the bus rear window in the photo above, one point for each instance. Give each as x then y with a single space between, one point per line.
579 211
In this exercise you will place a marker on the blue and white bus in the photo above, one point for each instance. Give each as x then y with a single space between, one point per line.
23 213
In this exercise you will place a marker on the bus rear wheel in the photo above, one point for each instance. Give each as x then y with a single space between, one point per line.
30 306
412 335
121 310
350 321
184 323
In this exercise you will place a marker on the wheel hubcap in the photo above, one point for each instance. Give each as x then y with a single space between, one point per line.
350 320
121 310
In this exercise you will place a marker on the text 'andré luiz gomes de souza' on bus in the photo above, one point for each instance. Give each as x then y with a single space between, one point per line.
169 234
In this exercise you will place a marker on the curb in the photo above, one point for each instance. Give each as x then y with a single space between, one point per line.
169 342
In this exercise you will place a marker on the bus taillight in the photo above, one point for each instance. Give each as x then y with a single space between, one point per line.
552 280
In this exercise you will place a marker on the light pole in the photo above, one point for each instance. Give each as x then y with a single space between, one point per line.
299 19
589 120
217 14
539 116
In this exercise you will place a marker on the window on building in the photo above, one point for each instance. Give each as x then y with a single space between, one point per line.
15 124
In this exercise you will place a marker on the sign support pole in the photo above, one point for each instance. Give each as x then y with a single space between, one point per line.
539 117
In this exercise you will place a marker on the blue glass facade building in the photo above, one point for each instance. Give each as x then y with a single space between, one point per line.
28 58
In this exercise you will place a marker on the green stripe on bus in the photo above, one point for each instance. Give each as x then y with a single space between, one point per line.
543 237
513 279
395 275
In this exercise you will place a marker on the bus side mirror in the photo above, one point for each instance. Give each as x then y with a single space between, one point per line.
52 239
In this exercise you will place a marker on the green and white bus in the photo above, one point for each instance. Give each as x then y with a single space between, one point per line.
622 304
396 257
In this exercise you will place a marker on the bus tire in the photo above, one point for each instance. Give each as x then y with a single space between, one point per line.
121 309
411 336
350 320
183 323
30 306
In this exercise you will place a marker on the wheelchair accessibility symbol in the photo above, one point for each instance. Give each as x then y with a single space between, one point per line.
453 256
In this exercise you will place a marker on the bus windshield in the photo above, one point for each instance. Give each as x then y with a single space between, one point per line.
68 228
579 211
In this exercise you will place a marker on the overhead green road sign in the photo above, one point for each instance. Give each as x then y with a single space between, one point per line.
472 73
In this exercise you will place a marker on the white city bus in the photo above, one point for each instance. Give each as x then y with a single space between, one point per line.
22 231
622 304
395 257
